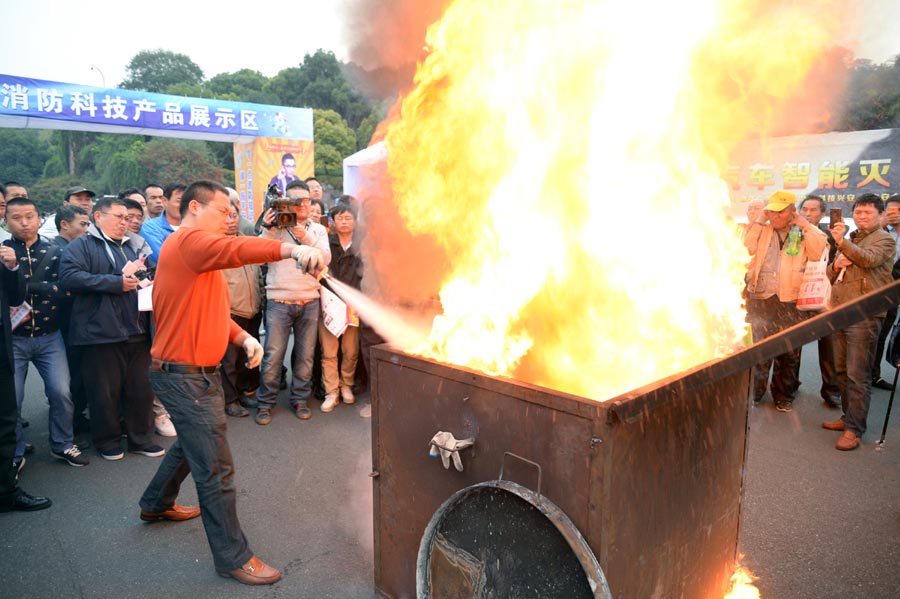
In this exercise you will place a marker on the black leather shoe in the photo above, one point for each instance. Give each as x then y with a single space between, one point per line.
27 503
881 384
236 410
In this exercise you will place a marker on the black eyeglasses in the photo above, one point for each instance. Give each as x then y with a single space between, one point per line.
118 217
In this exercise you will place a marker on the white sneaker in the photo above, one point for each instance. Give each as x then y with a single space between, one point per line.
164 426
347 395
331 402
366 412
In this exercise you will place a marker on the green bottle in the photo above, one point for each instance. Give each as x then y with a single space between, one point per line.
794 241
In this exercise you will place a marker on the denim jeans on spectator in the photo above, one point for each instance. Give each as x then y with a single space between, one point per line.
854 354
281 319
48 353
197 409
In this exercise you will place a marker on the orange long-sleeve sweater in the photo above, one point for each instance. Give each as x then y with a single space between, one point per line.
190 294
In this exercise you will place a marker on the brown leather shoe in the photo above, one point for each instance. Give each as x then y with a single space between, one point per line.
176 513
834 425
255 571
849 440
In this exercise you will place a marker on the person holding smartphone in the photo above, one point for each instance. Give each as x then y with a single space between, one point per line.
863 264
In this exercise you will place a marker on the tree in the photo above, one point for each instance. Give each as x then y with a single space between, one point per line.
319 82
245 85
179 160
23 153
157 70
117 162
368 125
335 140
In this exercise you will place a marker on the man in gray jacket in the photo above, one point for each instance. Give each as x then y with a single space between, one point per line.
245 289
292 305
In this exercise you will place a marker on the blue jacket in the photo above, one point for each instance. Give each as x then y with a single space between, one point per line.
154 232
91 269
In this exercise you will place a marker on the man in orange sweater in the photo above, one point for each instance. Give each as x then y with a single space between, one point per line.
193 328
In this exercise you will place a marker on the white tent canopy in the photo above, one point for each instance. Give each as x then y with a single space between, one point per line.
354 166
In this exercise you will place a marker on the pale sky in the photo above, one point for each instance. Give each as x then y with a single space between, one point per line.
61 40
90 42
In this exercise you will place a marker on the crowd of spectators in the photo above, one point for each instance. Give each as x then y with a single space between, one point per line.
82 317
782 239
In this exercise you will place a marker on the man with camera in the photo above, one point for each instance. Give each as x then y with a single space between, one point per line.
292 305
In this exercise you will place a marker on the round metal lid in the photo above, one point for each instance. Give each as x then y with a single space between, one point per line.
500 539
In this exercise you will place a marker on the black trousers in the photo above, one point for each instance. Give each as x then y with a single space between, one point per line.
886 327
236 377
119 375
8 417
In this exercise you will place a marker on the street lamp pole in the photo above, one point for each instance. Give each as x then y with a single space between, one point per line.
102 78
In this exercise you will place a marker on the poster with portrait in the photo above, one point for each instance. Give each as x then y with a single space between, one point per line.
269 161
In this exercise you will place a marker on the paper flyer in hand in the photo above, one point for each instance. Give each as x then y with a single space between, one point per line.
19 314
334 312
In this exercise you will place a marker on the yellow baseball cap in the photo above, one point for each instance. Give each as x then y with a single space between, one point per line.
780 200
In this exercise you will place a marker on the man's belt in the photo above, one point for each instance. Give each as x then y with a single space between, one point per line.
176 368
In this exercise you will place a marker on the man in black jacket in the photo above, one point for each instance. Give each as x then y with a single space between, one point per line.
12 292
38 339
98 268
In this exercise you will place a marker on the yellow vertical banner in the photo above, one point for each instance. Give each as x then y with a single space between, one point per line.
269 161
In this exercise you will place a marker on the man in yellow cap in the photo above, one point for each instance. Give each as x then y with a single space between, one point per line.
780 242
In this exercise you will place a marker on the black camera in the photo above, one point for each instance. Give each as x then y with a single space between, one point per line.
146 273
285 217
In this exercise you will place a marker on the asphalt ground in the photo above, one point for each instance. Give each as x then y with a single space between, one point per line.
816 522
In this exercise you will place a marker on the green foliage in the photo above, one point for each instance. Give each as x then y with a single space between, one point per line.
23 153
48 193
872 99
319 83
245 85
117 163
179 160
368 125
335 140
158 70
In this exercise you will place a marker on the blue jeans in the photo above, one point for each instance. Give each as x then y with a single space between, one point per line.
281 319
854 355
197 408
48 353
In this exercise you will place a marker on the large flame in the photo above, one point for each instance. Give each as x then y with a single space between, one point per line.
566 157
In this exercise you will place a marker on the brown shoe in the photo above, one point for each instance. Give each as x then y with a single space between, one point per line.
849 440
254 572
834 425
176 513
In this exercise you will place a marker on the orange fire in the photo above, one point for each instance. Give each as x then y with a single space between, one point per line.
565 158
742 585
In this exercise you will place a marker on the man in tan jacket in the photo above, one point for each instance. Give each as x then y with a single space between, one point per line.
773 283
863 264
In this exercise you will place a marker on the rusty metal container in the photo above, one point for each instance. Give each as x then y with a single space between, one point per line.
652 479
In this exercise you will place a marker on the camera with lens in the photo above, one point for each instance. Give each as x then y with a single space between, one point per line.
285 217
145 274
